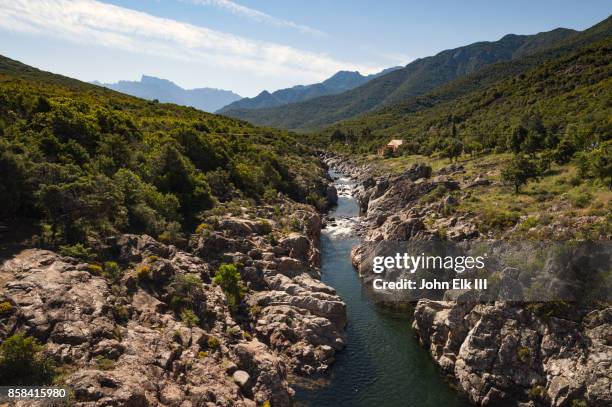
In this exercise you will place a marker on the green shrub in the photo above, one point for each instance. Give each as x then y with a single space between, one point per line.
5 307
318 201
272 239
23 363
523 354
498 219
213 342
143 272
185 292
581 198
437 193
536 392
203 227
77 251
264 227
121 313
189 318
232 331
231 283
112 271
104 363
295 225
95 269
529 223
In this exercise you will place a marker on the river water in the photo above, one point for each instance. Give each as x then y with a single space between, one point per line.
383 364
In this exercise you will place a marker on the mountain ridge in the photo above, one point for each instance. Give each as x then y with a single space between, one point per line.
340 82
164 90
419 78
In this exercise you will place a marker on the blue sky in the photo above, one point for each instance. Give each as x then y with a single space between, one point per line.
248 46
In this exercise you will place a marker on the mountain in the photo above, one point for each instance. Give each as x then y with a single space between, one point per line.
417 78
338 83
149 87
559 97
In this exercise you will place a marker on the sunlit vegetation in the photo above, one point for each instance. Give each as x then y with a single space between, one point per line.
86 163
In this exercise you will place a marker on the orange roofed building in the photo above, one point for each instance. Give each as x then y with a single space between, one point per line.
393 145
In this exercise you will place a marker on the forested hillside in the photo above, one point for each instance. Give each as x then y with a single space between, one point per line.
82 163
463 69
562 106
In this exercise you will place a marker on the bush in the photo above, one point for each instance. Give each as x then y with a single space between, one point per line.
95 269
77 251
22 362
523 354
143 272
189 318
437 193
213 342
203 227
580 199
185 292
5 307
536 392
498 219
112 271
104 363
264 227
231 283
529 223
318 201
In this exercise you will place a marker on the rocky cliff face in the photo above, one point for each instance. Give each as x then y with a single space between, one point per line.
512 354
502 353
120 341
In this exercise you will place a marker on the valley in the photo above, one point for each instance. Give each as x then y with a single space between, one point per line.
154 254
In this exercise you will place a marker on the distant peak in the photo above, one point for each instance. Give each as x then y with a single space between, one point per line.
153 79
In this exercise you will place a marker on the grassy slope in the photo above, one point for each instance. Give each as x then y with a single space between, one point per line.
559 199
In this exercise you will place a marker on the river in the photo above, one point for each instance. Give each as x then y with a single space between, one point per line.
383 364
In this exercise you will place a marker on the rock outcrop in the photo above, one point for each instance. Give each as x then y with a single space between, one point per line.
124 342
506 354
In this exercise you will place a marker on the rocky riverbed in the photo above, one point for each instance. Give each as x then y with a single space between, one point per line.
119 342
502 353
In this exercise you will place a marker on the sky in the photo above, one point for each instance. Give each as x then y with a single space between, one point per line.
248 46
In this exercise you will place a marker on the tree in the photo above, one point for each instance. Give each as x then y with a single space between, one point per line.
518 172
564 152
176 174
453 149
516 138
601 162
596 163
531 144
337 135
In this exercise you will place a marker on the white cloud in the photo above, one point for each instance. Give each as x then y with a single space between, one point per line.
95 23
257 15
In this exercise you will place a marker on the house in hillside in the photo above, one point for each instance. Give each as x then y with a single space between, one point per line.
392 145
